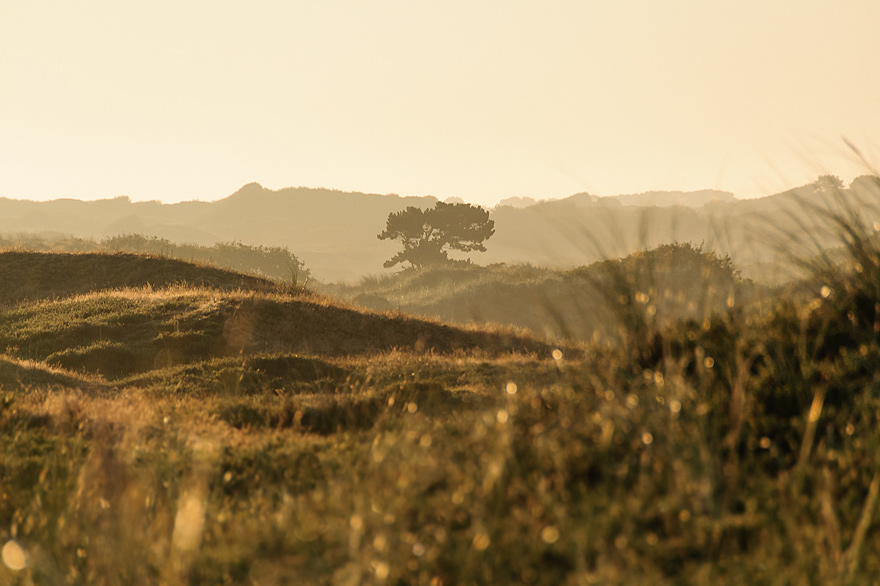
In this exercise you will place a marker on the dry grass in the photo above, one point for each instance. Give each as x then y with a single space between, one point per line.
295 441
34 275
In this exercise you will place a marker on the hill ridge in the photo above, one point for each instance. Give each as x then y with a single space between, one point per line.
334 232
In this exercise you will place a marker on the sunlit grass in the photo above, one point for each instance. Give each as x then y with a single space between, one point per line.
734 444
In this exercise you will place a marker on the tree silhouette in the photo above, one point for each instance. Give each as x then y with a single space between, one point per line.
828 184
428 235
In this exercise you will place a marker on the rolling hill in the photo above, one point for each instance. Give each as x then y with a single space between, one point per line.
675 281
115 316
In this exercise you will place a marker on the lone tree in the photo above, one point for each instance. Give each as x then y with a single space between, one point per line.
428 235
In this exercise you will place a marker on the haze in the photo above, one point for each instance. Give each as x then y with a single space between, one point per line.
190 100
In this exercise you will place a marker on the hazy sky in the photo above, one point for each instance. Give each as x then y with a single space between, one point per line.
190 99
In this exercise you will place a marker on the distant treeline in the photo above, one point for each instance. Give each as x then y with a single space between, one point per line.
272 262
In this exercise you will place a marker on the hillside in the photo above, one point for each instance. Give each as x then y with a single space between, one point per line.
34 275
147 312
675 281
334 233
211 435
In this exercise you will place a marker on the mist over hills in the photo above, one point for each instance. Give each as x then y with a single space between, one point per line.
334 232
755 233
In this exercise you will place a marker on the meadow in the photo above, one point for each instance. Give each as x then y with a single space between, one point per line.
212 428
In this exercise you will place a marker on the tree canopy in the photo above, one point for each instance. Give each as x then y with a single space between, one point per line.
428 235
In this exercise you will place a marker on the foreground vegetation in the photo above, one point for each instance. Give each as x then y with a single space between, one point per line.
217 436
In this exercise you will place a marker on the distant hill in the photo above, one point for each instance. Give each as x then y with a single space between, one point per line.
757 233
517 202
334 232
691 199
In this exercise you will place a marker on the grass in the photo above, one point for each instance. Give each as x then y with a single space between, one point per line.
119 333
32 276
293 439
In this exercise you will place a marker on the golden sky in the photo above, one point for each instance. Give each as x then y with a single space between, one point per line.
190 99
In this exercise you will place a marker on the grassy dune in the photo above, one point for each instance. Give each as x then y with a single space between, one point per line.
235 435
123 332
30 276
